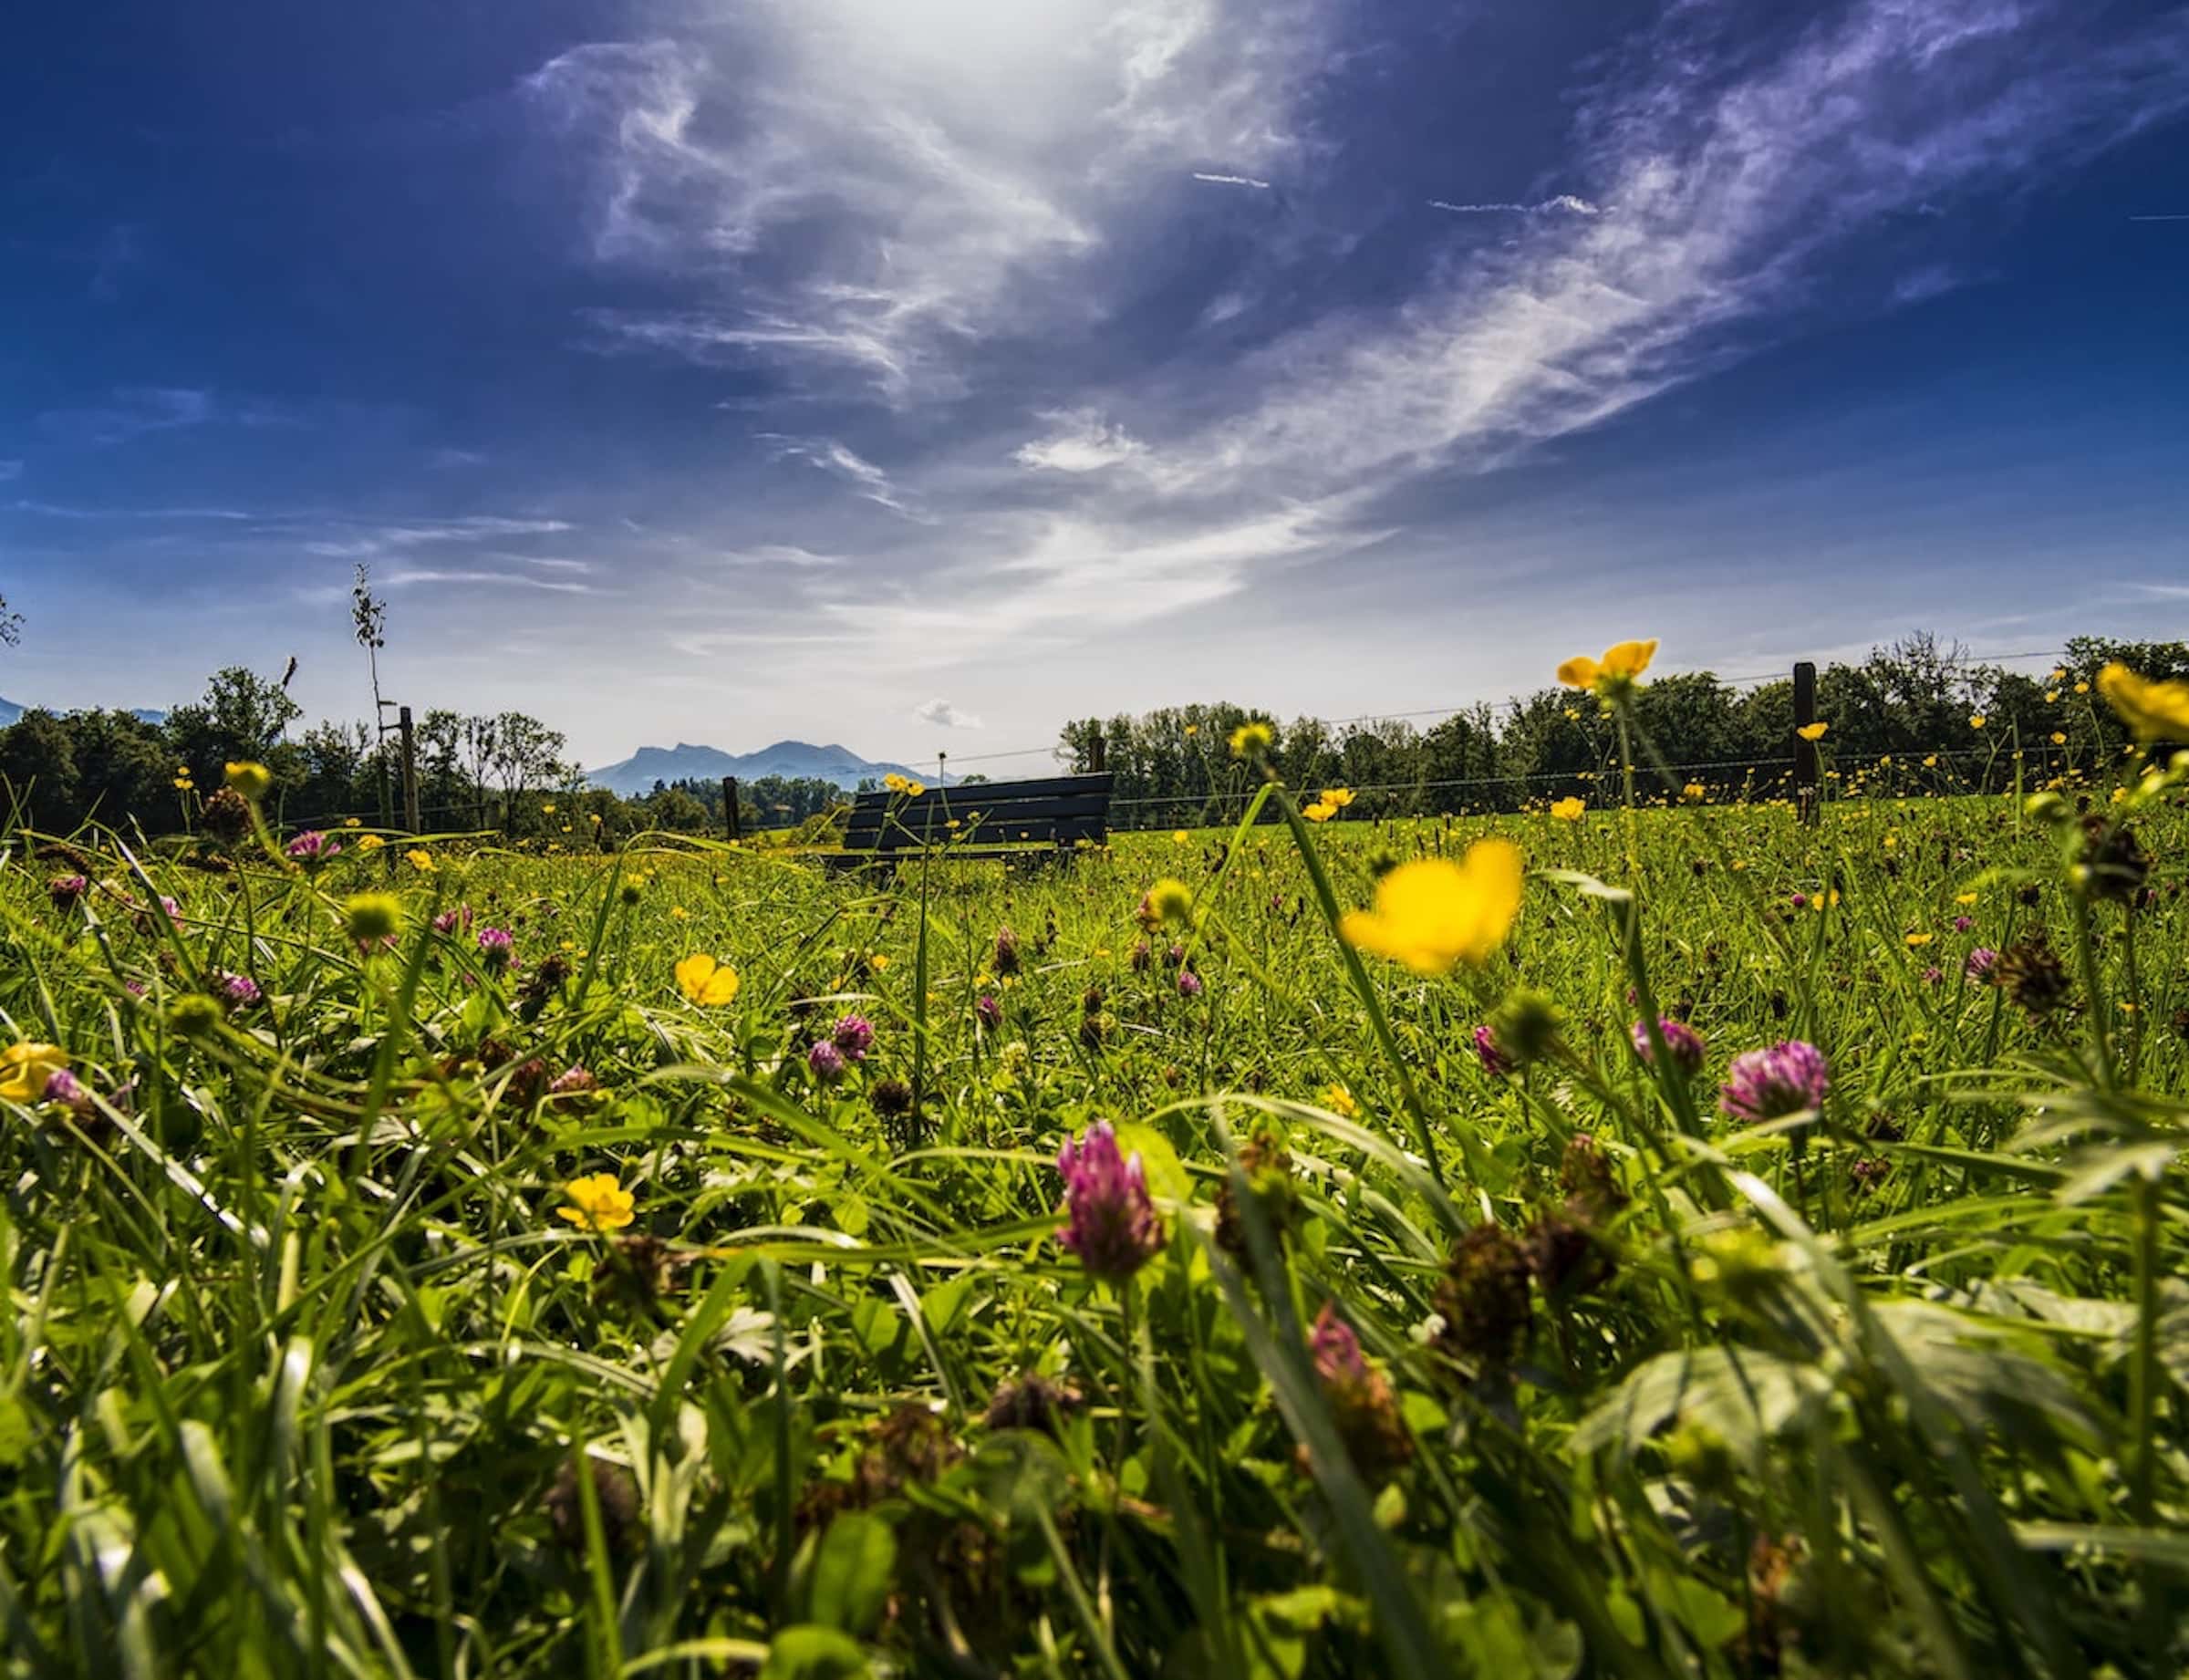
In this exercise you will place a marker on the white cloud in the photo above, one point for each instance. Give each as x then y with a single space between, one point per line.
781 554
413 577
1083 441
1565 203
134 412
10 470
1731 194
839 461
862 187
474 528
1233 180
944 715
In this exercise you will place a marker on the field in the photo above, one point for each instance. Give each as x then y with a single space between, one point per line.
428 1268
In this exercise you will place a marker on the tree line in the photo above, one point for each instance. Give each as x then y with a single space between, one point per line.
505 772
1903 719
1919 715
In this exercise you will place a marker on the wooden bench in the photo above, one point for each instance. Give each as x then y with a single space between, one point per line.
1044 820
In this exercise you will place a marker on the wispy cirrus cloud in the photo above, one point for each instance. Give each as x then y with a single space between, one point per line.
1563 204
413 577
365 542
840 461
133 411
1736 178
867 189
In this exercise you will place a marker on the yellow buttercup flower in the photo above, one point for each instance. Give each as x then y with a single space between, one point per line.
707 982
2059 740
2153 710
419 859
1178 836
1252 739
1965 898
1168 900
1975 720
1917 939
25 1068
597 1203
1812 731
1694 793
253 780
1620 664
1341 1101
1931 763
1569 809
1338 798
1433 913
371 842
1321 810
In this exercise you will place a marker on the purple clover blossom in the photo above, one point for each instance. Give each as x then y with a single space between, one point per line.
1932 975
1977 968
240 992
1109 1221
458 920
1962 923
1335 1349
1494 1059
1682 1044
572 1080
990 1009
65 889
312 848
1800 901
1769 1084
1189 983
64 1090
826 1062
854 1036
497 950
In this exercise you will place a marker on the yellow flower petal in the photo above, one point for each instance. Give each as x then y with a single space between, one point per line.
707 982
597 1203
1812 731
2151 710
1433 913
25 1068
1579 672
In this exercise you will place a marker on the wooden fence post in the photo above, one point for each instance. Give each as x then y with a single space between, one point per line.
732 821
412 813
1805 750
1097 755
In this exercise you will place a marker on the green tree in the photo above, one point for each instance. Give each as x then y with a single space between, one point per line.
37 764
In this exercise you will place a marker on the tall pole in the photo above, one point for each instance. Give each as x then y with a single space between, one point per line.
1096 754
1805 750
410 804
731 820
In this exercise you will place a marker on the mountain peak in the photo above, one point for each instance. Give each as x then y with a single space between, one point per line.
690 761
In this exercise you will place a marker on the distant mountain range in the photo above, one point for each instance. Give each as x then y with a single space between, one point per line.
793 758
10 712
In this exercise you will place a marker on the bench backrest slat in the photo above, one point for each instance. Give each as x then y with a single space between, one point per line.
1046 811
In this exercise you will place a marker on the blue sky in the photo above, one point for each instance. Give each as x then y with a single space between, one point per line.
918 373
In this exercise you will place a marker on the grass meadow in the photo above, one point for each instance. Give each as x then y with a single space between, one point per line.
420 1265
